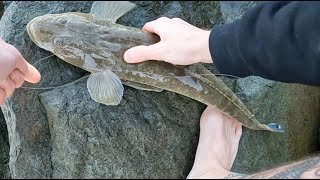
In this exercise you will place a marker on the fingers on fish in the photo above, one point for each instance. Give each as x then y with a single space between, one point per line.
105 87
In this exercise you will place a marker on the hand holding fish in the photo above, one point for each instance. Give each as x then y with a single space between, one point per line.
14 70
181 43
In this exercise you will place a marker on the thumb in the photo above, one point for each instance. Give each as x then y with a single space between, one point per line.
30 73
143 53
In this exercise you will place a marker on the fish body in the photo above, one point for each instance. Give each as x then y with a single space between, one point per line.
96 43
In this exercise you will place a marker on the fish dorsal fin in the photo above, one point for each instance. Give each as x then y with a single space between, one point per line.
111 10
105 87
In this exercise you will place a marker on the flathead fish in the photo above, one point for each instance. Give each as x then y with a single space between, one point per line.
96 43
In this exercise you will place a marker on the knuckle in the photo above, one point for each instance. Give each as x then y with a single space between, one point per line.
10 91
163 19
15 75
7 87
2 92
14 51
19 84
2 96
178 19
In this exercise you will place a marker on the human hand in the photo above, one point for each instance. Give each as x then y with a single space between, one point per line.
219 136
181 43
14 70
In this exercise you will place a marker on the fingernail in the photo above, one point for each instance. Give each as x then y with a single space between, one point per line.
127 56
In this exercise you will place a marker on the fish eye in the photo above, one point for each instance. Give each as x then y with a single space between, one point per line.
58 41
62 20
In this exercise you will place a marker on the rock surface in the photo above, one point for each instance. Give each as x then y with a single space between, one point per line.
294 106
6 4
233 10
62 133
4 149
37 149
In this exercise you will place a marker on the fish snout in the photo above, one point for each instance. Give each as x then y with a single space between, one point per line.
40 31
31 30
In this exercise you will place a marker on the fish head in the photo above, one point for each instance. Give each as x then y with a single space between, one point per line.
67 35
49 31
86 41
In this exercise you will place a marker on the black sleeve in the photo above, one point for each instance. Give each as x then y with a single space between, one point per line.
275 40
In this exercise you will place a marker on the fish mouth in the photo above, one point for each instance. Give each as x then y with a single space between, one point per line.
30 28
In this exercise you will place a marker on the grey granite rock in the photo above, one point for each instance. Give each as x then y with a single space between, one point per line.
62 133
6 4
35 135
29 133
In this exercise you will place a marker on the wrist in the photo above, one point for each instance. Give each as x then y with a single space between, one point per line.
205 55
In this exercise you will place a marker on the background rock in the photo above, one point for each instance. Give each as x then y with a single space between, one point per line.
62 133
148 135
29 133
4 149
6 4
36 148
1 8
296 107
233 10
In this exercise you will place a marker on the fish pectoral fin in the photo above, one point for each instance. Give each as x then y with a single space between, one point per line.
105 87
111 10
141 86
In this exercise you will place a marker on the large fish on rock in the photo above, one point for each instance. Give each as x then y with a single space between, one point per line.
96 43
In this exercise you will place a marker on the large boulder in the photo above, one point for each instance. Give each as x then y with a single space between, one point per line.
295 106
63 133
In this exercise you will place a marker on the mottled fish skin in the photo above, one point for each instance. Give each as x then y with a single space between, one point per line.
96 45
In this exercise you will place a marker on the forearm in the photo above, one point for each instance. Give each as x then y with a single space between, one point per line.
304 169
274 40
